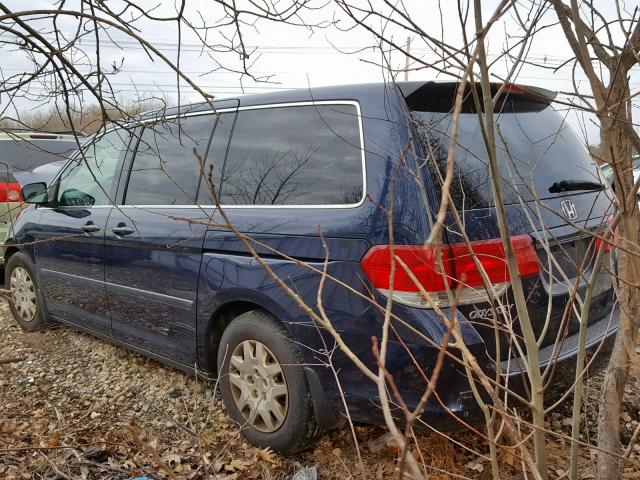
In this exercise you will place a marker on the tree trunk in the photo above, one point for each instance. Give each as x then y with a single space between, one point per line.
610 404
619 149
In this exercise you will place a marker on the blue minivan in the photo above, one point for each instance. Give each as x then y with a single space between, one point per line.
129 244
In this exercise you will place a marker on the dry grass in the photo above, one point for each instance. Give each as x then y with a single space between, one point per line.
88 119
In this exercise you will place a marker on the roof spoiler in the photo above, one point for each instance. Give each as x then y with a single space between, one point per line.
439 96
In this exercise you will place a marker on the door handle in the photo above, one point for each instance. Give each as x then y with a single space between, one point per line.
121 229
90 227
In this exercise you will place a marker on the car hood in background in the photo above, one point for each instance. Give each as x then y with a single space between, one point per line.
44 173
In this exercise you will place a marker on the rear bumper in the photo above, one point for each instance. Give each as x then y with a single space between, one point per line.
557 363
599 336
559 360
453 406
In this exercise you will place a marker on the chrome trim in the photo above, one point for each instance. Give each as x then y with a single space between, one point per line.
153 296
468 295
354 103
73 207
230 207
169 117
114 287
78 277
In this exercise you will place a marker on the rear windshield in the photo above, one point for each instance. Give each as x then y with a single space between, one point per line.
25 155
535 148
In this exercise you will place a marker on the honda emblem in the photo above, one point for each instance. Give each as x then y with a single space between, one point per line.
569 209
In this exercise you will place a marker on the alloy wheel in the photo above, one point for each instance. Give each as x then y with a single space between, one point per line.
258 386
23 292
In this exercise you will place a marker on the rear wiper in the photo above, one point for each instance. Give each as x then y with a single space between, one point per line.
573 185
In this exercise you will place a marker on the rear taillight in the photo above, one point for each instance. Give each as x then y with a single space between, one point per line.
511 88
455 268
602 232
10 192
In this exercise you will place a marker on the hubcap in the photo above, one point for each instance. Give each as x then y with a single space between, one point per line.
258 386
23 292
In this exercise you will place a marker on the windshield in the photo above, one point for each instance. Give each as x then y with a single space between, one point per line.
25 155
607 171
535 148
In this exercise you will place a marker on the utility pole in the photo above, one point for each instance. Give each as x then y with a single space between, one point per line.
406 62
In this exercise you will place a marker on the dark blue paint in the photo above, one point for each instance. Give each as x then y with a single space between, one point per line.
162 257
161 287
71 268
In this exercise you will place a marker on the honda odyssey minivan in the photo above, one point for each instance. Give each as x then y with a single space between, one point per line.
130 243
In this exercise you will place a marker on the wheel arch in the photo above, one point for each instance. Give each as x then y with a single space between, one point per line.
220 320
325 413
9 251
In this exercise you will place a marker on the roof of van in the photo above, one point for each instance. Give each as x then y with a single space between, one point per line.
335 92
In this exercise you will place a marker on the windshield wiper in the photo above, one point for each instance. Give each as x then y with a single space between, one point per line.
574 185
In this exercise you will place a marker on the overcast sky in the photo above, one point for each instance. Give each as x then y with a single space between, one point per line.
298 57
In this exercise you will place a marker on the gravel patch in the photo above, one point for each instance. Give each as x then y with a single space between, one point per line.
73 406
95 410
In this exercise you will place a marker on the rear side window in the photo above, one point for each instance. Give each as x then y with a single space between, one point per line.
299 155
165 170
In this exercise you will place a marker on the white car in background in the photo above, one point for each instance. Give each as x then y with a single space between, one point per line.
607 170
44 173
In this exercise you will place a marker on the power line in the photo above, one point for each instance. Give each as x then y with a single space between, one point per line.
184 86
202 72
150 88
172 88
198 46
222 72
187 87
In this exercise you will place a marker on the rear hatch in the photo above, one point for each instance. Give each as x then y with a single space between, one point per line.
539 157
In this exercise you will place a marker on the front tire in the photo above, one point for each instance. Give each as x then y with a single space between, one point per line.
26 299
263 384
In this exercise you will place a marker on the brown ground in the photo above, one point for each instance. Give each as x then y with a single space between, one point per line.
72 406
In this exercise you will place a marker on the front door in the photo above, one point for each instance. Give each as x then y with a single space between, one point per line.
69 245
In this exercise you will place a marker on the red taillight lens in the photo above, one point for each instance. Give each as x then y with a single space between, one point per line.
511 88
422 262
10 192
457 260
490 254
601 231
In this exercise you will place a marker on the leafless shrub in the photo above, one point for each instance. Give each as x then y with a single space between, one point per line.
515 427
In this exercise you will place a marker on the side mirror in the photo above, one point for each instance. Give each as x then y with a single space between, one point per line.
35 193
73 197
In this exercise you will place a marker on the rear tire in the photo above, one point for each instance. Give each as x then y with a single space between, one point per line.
263 384
26 301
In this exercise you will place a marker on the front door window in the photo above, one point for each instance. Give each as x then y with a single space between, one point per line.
87 181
